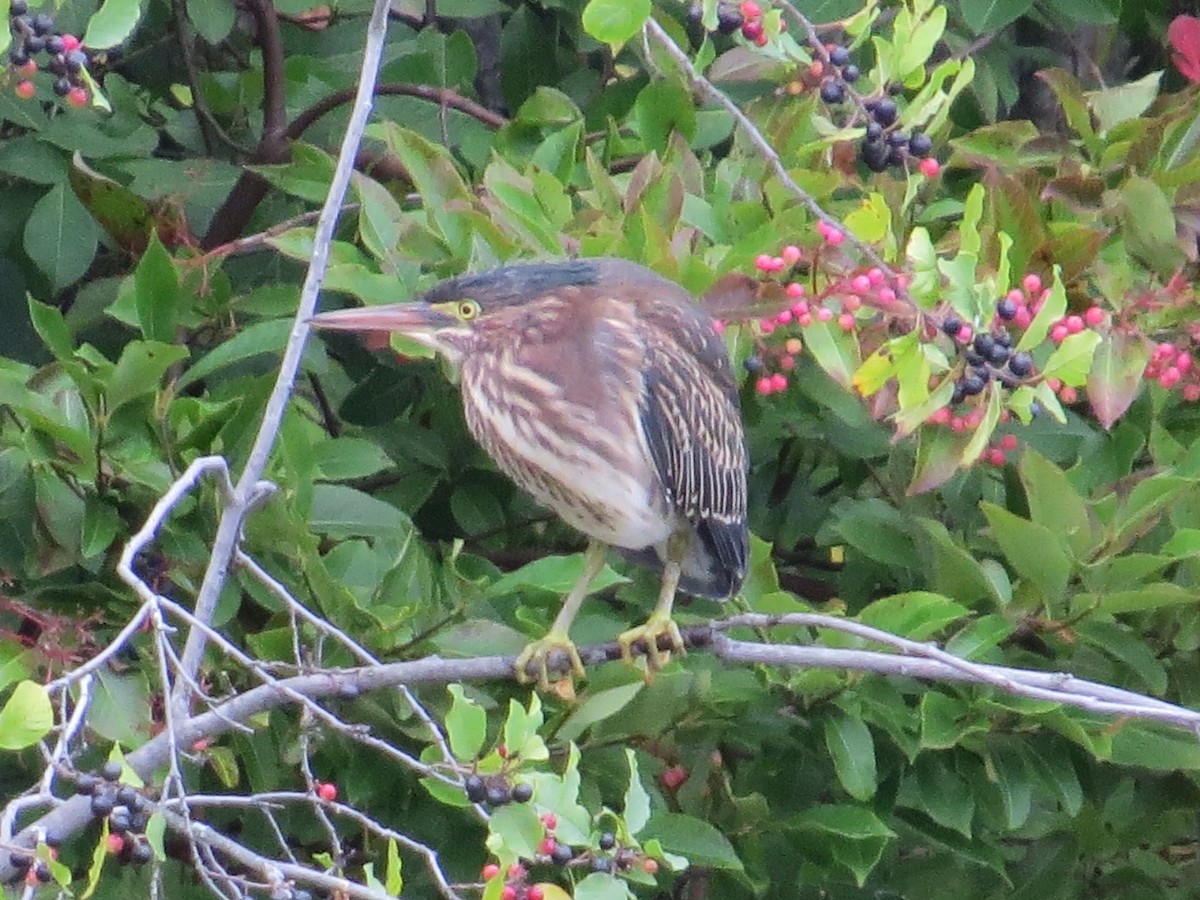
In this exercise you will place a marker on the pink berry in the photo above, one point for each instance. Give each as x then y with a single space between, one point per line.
846 321
790 254
804 320
1183 362
490 871
1170 377
787 362
973 419
1068 394
70 42
327 791
546 847
887 295
550 821
1164 350
800 309
860 283
825 314
996 457
25 89
752 30
875 277
115 843
77 96
1059 333
929 167
779 382
766 326
516 871
535 892
1094 315
1008 442
903 280
1054 384
763 262
509 893
718 326
835 237
1032 283
851 302
1191 392
1023 318
795 290
958 423
784 317
1017 297
965 334
750 9
763 385
793 346
1074 324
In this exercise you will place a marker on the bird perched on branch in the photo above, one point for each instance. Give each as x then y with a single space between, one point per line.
602 390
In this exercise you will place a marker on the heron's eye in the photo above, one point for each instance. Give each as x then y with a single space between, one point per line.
466 310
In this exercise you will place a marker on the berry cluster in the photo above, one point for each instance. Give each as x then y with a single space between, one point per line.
496 790
608 856
746 17
32 870
1174 367
752 23
125 808
836 74
34 35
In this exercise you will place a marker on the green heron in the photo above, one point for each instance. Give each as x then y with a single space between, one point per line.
603 390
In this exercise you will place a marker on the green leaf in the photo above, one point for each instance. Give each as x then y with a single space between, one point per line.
852 749
1155 747
600 886
99 855
1012 777
916 614
466 725
515 831
853 822
394 880
1116 375
1122 102
1072 360
596 707
158 298
1054 502
637 801
263 337
614 22
688 836
60 236
26 718
139 372
942 793
1052 310
214 19
341 511
52 328
112 24
344 458
946 720
1032 550
982 16
555 574
1150 226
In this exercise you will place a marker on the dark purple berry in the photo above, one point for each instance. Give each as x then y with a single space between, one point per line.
874 131
984 343
894 88
110 771
139 820
17 56
1003 338
62 87
694 14
1021 364
753 364
920 144
608 840
895 156
562 854
475 788
875 155
850 74
18 7
897 139
58 65
34 44
86 784
43 24
118 820
142 853
999 355
76 60
522 793
972 358
972 384
54 44
885 112
839 56
729 20
127 796
601 864
833 91
20 861
1006 309
102 804
959 395
952 325
498 795
42 873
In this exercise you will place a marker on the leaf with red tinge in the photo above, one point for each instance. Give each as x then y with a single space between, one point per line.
1184 35
1116 375
939 454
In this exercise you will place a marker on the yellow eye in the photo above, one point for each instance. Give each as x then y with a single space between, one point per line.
466 310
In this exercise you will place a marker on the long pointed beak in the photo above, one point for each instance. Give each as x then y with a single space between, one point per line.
395 318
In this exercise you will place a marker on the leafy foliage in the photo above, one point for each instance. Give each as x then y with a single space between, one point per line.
150 280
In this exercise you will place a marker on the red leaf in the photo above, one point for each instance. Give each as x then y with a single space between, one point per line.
1184 35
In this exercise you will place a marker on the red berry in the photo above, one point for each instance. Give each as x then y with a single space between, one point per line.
762 262
846 321
795 291
550 821
546 847
327 791
965 334
509 893
1074 324
70 42
763 385
25 89
28 70
1094 315
1008 442
779 382
516 872
535 893
1032 283
502 751
929 167
825 314
790 254
752 29
750 9
650 866
77 96
860 283
674 777
115 843
996 457
490 871
1068 394
1191 392
1059 333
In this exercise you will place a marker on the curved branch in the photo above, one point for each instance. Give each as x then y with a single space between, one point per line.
440 96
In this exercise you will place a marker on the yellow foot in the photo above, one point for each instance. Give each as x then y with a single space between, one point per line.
659 625
539 654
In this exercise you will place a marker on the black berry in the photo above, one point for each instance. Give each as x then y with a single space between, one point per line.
127 796
999 355
86 784
139 820
959 395
984 343
1021 364
102 804
833 91
76 60
850 74
43 24
972 384
142 853
42 873
18 7
17 56
1006 309
952 325
110 771
1003 338
839 56
601 864
562 854
885 112
753 364
475 788
498 795
875 155
894 87
20 861
874 131
522 793
118 821
729 20
608 840
34 44
54 44
920 143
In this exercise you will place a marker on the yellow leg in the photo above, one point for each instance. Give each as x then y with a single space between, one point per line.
660 624
557 640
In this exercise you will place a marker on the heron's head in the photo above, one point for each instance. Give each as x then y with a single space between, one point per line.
448 316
